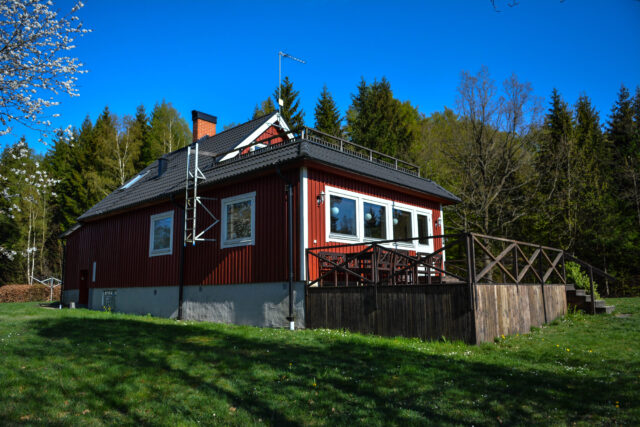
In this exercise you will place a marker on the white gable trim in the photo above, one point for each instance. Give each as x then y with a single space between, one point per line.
256 133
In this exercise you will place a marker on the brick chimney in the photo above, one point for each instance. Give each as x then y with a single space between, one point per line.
203 124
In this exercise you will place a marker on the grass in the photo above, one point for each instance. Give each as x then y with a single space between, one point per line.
79 367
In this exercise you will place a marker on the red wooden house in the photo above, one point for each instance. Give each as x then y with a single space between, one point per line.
251 194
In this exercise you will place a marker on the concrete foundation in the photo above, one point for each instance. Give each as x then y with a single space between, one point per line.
259 304
256 304
70 295
160 302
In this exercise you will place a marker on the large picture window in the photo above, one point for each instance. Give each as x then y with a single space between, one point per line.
161 234
238 221
352 216
343 216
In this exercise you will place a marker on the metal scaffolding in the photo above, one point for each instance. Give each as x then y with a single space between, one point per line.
193 202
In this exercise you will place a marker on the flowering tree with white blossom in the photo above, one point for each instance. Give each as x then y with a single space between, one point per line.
26 187
34 63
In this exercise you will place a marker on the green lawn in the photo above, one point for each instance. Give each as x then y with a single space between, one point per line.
91 368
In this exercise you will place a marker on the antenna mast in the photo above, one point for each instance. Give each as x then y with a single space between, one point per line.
281 55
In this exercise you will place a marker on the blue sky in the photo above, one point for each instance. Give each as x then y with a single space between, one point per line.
221 57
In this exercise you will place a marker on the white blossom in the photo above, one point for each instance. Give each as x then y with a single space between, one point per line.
34 41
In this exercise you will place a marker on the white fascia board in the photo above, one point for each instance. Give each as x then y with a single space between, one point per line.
304 222
256 133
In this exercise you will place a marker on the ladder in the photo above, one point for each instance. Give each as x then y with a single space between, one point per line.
193 202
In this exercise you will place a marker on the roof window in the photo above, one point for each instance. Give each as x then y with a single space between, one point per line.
134 180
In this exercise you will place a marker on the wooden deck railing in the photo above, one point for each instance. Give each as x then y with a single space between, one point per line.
469 258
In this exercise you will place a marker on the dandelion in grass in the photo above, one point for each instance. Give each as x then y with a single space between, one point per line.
314 382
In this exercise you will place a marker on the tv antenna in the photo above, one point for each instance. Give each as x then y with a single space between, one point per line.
281 55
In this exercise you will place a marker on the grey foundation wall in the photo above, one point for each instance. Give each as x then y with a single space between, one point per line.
256 304
70 295
160 302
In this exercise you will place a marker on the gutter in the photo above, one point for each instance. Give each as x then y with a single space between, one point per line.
181 262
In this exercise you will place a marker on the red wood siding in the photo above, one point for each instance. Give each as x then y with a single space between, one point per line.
270 132
318 179
120 244
120 247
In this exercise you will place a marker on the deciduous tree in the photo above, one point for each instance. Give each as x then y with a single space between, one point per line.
34 61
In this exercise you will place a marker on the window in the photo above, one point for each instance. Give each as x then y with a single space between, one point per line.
238 221
134 180
161 235
343 216
375 221
402 226
423 229
352 216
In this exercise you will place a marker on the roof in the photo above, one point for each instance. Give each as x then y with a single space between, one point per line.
228 140
151 188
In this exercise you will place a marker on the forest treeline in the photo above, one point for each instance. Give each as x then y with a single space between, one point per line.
548 171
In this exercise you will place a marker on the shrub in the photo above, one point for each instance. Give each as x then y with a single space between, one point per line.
580 279
27 293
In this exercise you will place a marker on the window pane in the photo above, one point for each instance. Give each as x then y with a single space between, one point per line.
423 228
402 225
239 220
343 215
161 233
375 223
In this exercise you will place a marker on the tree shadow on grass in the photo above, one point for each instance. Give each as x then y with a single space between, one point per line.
327 379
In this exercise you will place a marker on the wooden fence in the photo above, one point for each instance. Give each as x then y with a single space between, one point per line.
486 287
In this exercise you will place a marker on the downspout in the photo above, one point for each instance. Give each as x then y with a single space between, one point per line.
64 270
289 188
181 266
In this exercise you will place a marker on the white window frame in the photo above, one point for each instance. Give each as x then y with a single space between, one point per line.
389 205
380 202
244 241
338 237
160 252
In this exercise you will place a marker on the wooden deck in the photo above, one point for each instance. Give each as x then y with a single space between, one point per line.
376 289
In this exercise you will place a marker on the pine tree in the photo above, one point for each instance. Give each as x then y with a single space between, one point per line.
290 111
265 107
140 132
622 131
105 135
377 120
327 115
556 165
67 165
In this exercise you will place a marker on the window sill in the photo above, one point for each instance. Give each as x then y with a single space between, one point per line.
154 254
236 243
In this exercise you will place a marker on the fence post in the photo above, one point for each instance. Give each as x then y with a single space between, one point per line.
564 270
541 273
593 294
515 263
471 265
